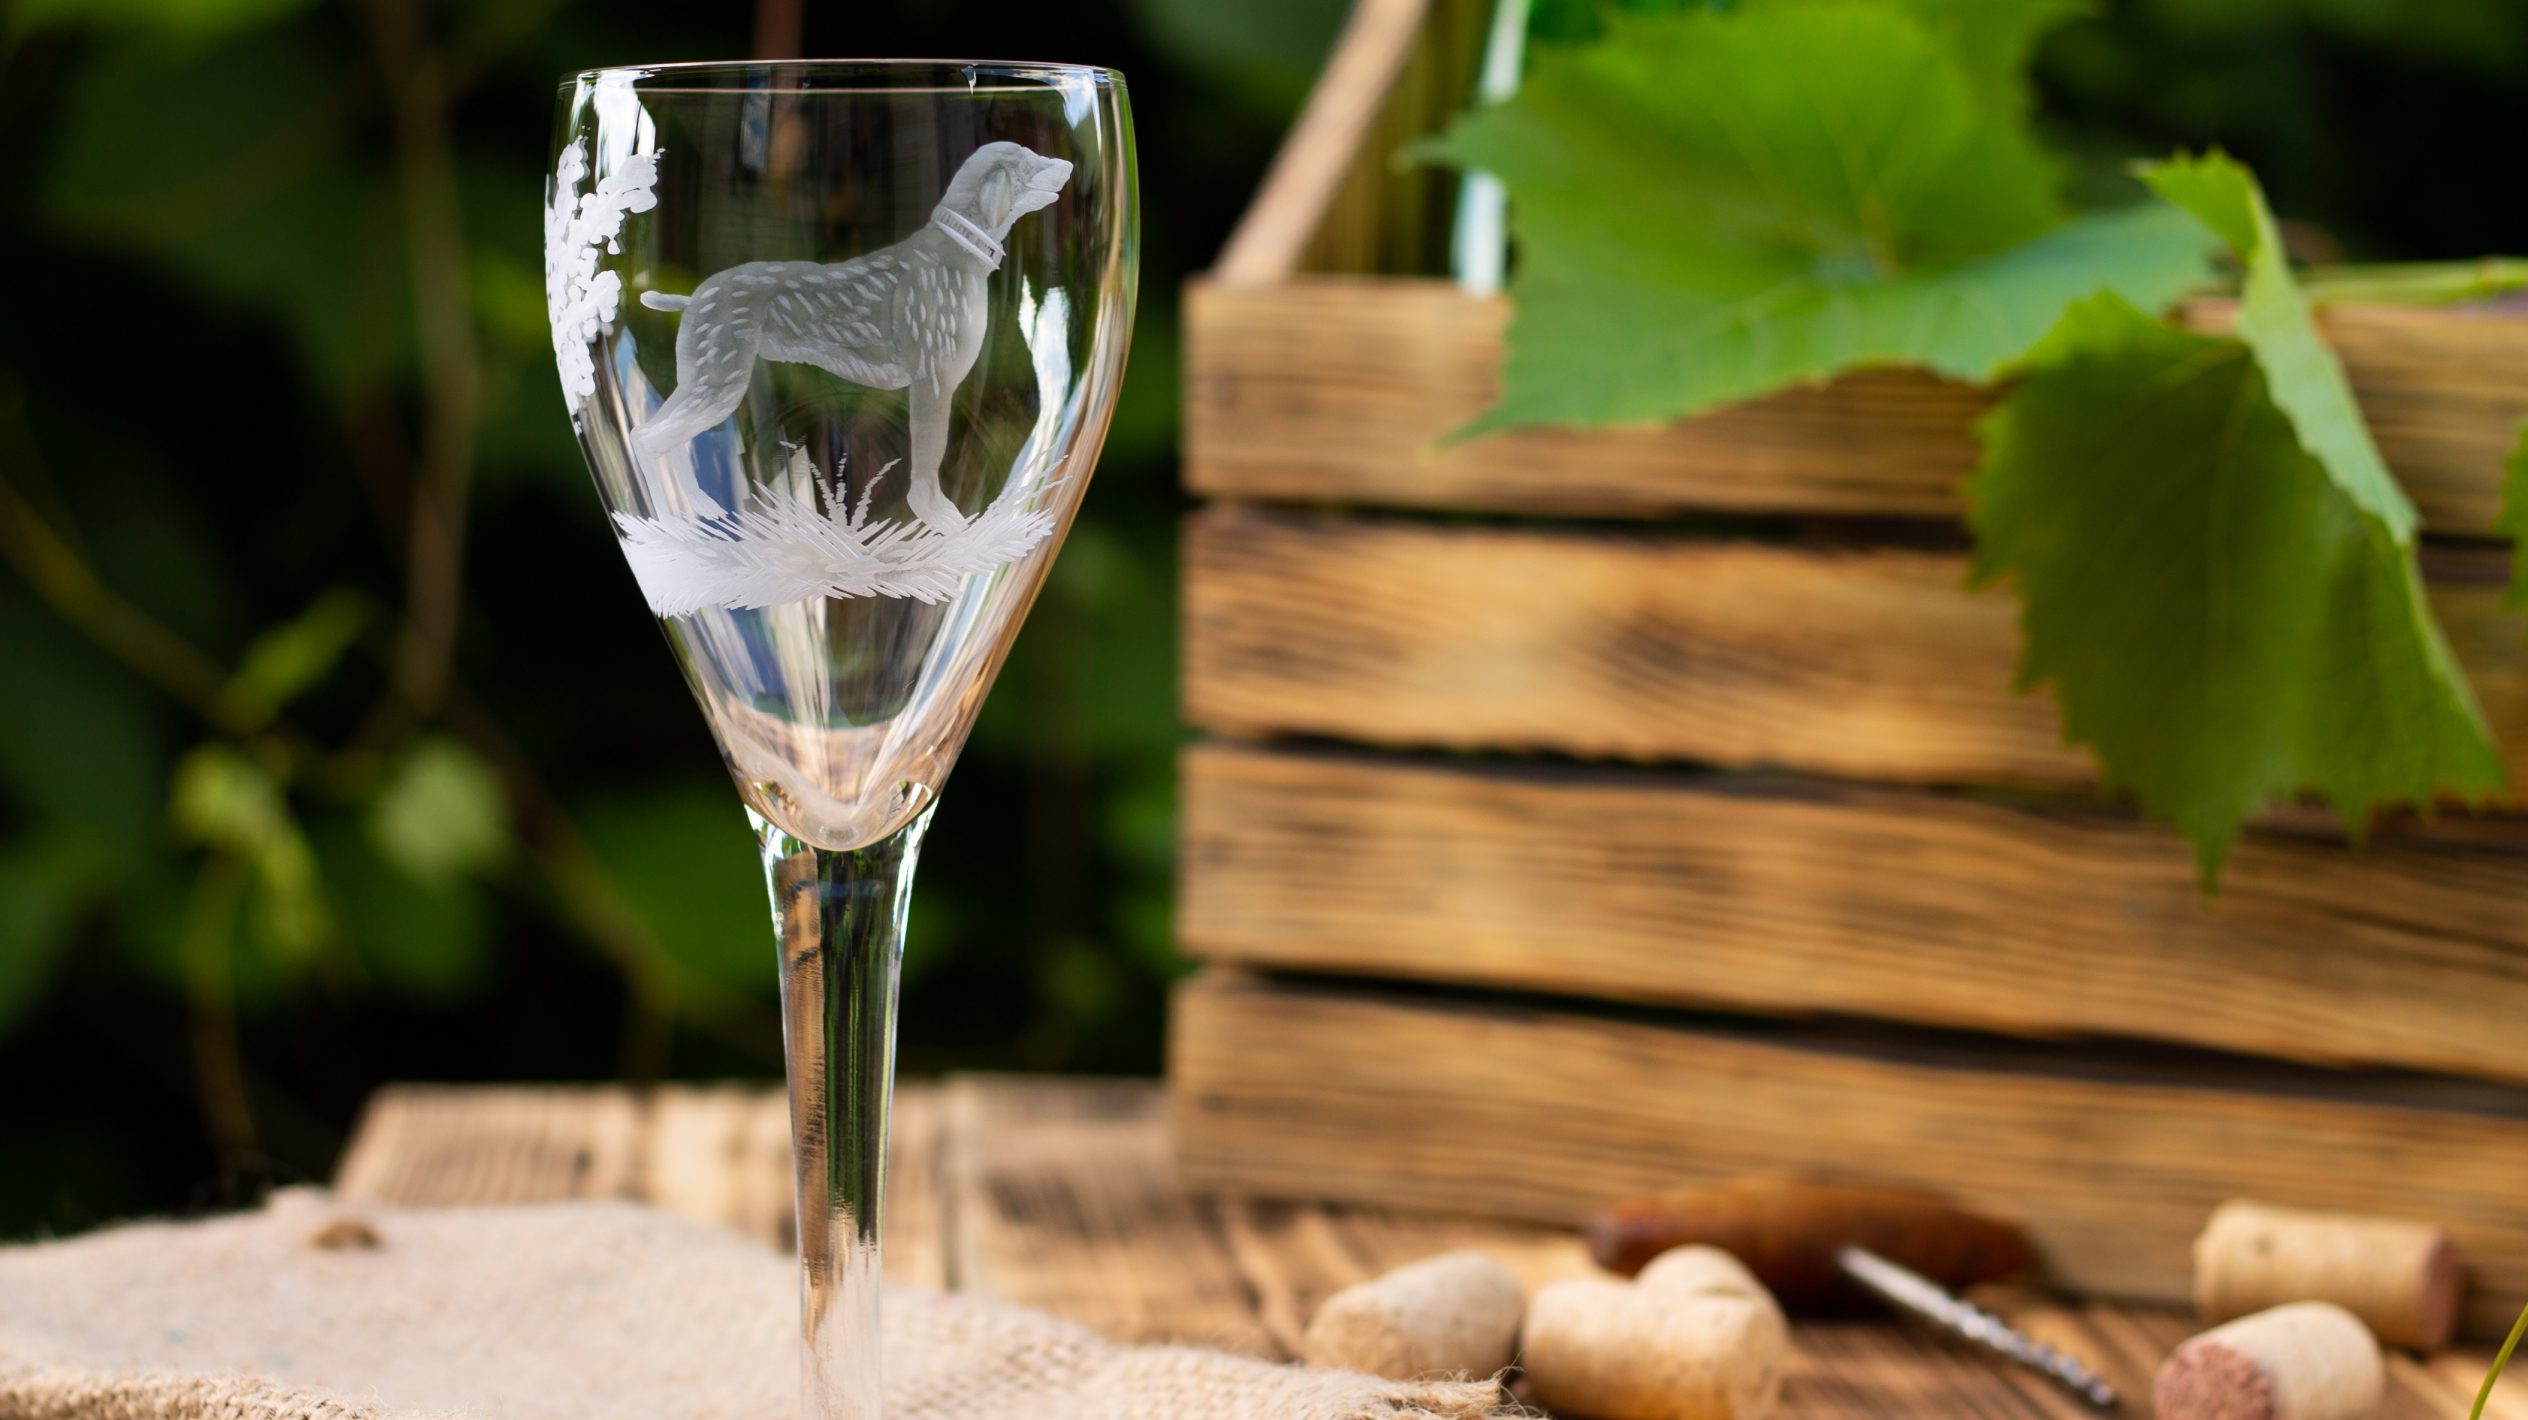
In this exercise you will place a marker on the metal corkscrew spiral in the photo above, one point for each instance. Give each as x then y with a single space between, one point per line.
1911 1291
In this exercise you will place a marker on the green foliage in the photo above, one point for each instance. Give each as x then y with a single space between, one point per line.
2303 375
2501 1363
2216 566
1710 206
441 813
2209 580
181 19
2512 521
684 862
2466 32
82 743
294 657
237 808
35 922
1991 38
271 211
1263 56
415 935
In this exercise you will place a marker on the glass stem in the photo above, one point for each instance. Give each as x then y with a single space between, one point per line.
840 920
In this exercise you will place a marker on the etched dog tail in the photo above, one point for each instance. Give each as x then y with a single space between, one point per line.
715 355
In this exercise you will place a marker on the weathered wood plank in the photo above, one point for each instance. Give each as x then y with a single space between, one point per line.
1873 664
1339 389
1289 1256
723 1153
1115 1245
1319 1093
919 1226
1792 897
437 1144
1325 147
720 1153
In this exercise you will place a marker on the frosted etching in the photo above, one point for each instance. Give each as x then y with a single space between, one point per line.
580 300
782 546
908 317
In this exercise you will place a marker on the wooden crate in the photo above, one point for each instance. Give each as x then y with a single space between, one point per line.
1581 813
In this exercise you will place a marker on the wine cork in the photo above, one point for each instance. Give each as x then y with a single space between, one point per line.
1696 1338
2401 1278
2301 1361
1708 1271
1456 1314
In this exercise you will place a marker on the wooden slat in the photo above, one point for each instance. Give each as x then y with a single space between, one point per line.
434 1144
919 1226
1339 389
1325 145
1316 1092
1117 1247
1872 664
1801 896
723 1153
719 1153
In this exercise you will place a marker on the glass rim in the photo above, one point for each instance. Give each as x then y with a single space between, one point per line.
954 75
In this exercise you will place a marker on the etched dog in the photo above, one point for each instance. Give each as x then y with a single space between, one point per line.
908 317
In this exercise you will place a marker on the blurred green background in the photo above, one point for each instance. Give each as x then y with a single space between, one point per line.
319 765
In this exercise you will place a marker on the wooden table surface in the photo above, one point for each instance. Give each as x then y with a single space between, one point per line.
1059 1194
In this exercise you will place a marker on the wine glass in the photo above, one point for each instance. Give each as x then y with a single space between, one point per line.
840 340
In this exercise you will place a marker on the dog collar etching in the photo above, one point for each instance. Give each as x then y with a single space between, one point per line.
967 233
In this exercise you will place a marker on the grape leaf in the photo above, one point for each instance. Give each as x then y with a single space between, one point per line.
2223 620
223 799
2512 521
1992 39
1710 206
292 658
441 813
2273 318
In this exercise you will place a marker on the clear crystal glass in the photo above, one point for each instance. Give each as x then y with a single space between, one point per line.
841 340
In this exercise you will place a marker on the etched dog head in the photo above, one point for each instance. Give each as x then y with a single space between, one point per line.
1003 182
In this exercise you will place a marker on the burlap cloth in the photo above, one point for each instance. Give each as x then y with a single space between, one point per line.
558 1311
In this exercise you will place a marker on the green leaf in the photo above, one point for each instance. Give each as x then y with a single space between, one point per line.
2223 621
427 937
1585 353
1712 206
2512 521
225 800
1993 38
686 865
442 813
229 803
2273 318
290 659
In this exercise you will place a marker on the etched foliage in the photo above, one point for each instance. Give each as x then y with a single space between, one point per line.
580 299
785 546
